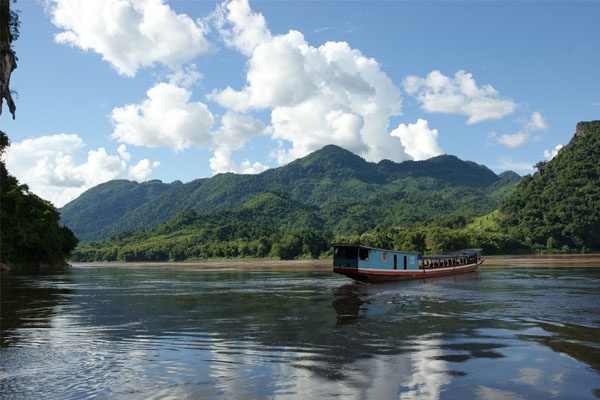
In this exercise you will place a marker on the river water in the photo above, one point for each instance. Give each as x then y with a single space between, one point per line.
160 332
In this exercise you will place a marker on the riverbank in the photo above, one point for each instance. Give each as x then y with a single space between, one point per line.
254 263
542 261
507 261
5 267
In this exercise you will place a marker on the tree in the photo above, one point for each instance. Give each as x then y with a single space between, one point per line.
30 234
558 205
9 32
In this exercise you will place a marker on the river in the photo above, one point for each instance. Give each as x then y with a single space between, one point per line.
175 331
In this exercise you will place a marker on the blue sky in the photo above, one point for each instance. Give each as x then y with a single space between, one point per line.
180 90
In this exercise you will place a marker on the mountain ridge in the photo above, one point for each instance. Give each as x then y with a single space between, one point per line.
329 177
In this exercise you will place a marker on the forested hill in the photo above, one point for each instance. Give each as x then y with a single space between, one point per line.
30 235
356 194
559 206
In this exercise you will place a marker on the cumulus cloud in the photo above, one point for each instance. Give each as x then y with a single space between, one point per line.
458 95
276 76
129 34
419 141
141 171
240 27
167 118
222 162
550 154
48 165
235 130
317 95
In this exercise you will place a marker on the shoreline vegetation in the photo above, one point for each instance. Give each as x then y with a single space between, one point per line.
490 262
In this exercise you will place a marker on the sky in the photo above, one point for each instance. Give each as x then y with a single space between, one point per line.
186 89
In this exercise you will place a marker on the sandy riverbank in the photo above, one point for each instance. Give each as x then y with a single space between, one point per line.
542 261
508 261
257 264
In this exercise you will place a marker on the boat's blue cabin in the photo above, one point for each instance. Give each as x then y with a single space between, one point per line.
365 257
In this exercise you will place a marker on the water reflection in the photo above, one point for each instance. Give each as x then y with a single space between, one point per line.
157 332
429 371
30 302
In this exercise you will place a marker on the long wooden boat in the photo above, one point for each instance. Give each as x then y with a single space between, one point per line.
371 264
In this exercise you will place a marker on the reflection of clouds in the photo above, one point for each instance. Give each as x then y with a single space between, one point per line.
369 378
429 371
530 376
488 393
372 342
243 370
539 379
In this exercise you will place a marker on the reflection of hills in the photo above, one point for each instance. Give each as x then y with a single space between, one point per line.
255 308
577 341
408 339
30 301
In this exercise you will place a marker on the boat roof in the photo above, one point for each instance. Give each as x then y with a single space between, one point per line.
373 248
450 254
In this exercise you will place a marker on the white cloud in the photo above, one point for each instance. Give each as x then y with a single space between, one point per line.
317 95
129 34
222 162
513 140
550 154
185 76
141 171
235 130
239 27
276 76
48 165
459 95
166 118
315 123
419 141
535 122
122 150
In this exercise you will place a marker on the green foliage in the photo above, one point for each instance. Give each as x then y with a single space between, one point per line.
336 190
30 234
106 203
557 207
436 239
296 215
296 211
268 225
333 196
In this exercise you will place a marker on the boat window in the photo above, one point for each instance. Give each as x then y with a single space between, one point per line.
363 254
347 252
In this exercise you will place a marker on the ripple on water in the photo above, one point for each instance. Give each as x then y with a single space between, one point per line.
147 333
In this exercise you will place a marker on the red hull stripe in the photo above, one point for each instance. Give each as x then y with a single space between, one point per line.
368 275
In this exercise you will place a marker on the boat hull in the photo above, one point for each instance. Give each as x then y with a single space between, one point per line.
376 276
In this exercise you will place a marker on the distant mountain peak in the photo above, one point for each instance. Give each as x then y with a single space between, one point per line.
333 152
